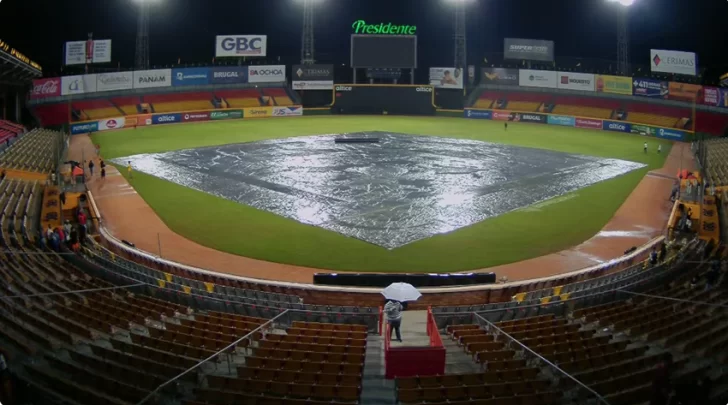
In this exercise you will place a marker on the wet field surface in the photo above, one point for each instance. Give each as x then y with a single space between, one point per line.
402 189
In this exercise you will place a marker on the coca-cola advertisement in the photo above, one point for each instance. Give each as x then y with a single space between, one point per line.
587 123
43 88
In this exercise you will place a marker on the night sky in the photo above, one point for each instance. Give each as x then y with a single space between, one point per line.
186 29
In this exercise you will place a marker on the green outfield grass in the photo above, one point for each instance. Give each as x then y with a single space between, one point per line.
238 229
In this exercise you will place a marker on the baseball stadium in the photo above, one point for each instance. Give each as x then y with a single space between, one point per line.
522 230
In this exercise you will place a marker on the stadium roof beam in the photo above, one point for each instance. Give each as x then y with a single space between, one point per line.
15 72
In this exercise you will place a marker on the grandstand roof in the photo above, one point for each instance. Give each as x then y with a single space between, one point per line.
15 67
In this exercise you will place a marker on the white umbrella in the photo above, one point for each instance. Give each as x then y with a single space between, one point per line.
401 292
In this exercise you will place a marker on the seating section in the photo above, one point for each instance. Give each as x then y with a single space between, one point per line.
52 114
279 96
655 114
176 102
240 98
522 101
716 161
95 109
711 123
307 361
127 104
33 152
9 131
585 106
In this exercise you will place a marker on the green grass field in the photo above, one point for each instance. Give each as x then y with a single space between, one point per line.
519 235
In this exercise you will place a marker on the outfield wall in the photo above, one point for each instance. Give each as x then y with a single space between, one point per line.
140 120
670 134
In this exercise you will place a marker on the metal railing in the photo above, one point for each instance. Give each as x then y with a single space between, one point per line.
581 394
214 356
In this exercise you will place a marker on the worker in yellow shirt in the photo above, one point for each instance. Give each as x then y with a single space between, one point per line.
128 170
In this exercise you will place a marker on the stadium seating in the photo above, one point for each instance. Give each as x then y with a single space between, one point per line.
95 109
486 99
127 104
175 102
240 98
716 161
9 131
52 114
585 106
34 152
522 101
711 123
654 114
279 96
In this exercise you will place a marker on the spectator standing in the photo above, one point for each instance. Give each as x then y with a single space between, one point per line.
103 173
91 167
62 198
645 147
393 309
659 148
49 231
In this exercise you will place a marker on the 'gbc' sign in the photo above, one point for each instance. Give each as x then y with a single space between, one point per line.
361 27
242 44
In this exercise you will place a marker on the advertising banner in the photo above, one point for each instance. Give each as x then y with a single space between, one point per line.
114 81
643 130
71 85
616 126
313 77
446 78
240 45
166 118
84 128
226 115
684 91
588 123
536 118
43 88
537 78
190 77
294 111
528 49
258 112
576 81
138 121
83 52
650 88
678 62
503 115
671 134
614 84
479 114
145 79
715 96
265 74
111 123
196 116
499 76
562 120
229 75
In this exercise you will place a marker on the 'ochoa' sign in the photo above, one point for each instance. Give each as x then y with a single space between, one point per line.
361 27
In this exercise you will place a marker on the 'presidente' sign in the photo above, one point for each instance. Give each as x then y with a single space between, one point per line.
361 27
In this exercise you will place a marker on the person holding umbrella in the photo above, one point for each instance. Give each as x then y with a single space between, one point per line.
393 309
396 294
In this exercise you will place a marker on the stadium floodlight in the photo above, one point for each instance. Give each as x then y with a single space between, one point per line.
623 36
458 1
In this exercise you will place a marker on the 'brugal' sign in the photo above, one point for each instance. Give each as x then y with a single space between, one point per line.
361 27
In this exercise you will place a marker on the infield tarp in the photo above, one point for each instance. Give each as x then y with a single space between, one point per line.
400 190
378 100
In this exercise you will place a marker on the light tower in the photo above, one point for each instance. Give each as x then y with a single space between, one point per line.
141 57
307 37
623 35
461 34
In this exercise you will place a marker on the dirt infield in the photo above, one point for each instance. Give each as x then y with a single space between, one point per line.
127 216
